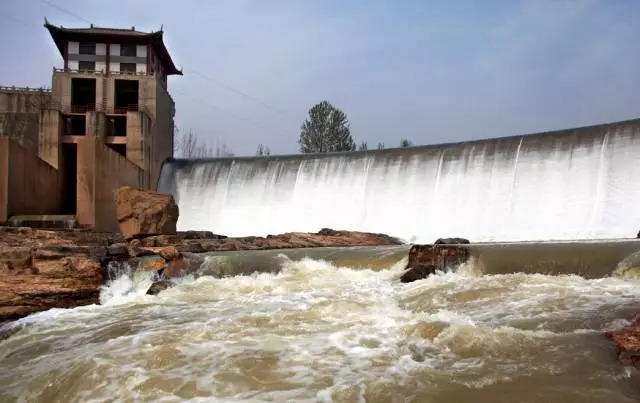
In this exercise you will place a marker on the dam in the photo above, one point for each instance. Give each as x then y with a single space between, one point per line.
570 184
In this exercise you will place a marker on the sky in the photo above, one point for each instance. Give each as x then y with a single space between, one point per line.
429 71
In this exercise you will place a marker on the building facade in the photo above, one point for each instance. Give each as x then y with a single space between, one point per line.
107 121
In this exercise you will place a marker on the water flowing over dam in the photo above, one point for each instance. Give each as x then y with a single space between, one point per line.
571 184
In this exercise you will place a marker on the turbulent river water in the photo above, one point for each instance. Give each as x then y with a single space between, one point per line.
316 331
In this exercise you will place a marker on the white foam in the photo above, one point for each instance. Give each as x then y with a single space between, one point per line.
522 188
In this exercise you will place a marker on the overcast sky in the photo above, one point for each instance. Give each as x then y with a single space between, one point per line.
431 71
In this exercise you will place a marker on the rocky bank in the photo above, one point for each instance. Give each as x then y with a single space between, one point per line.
41 269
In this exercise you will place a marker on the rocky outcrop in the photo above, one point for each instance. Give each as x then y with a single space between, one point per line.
186 242
42 269
142 213
628 342
45 269
451 241
426 259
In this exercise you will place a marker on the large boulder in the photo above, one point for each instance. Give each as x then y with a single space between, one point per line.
159 286
628 342
425 260
451 241
142 213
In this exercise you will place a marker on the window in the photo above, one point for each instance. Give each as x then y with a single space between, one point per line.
128 50
87 48
85 65
127 67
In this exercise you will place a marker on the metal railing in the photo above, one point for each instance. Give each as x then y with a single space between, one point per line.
102 72
30 90
96 107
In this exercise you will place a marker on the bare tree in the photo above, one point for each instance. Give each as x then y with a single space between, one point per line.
263 151
189 145
380 146
223 151
363 146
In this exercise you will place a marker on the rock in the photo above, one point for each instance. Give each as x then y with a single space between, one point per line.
328 232
142 213
148 263
159 286
417 273
16 257
426 259
118 249
170 253
178 268
628 342
136 250
49 283
44 269
451 241
201 235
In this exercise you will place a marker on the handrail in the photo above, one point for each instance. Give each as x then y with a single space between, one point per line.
97 107
102 72
13 88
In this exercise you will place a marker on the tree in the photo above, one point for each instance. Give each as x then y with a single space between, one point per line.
325 130
363 146
223 151
405 142
189 145
263 151
380 146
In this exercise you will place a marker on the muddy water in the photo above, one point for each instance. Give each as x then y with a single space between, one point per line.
317 331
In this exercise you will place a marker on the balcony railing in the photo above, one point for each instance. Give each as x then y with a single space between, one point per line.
96 107
13 88
102 72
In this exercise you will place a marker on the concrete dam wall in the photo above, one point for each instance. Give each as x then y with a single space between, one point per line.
571 184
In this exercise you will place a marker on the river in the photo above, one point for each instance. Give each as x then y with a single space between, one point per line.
319 331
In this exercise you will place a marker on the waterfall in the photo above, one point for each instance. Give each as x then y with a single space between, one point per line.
572 184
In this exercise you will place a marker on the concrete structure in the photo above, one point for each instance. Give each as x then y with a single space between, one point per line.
107 121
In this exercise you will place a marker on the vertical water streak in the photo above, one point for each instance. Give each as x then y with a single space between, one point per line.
602 172
572 184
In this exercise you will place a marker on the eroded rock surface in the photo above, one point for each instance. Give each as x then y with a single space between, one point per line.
42 269
142 213
628 342
45 269
425 260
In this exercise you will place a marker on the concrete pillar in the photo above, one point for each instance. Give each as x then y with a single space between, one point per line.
96 125
135 144
85 181
4 178
49 131
61 87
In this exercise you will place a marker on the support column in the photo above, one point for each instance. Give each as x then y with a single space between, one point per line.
85 181
4 178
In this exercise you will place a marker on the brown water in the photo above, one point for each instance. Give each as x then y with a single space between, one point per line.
320 332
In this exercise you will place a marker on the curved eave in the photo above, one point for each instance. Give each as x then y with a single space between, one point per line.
163 53
62 35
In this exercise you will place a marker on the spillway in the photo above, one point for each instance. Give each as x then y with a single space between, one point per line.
572 184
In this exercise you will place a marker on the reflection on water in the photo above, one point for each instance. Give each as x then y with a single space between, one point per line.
321 332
